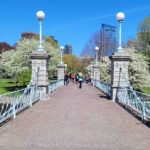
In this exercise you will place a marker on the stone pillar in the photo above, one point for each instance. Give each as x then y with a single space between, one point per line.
61 71
91 72
40 71
119 63
96 72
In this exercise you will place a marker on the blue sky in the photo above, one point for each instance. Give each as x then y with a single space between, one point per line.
70 21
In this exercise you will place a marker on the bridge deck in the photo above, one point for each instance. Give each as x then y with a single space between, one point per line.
75 118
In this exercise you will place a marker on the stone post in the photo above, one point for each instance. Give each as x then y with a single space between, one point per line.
39 77
91 72
119 63
96 72
61 71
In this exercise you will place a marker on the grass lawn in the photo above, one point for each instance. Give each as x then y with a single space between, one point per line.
146 90
7 85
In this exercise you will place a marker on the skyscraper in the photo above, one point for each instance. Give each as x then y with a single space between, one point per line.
107 40
68 49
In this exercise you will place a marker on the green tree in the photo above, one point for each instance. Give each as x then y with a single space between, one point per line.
143 38
139 74
16 62
73 63
143 34
52 41
25 77
84 64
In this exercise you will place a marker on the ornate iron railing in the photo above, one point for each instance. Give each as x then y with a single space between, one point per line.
104 87
54 85
135 101
14 102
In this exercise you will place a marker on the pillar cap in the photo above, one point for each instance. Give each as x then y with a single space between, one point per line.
61 66
40 55
120 56
96 66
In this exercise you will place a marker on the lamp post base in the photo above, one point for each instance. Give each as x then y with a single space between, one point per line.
120 49
40 48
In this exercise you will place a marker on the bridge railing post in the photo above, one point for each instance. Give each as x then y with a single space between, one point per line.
96 74
143 110
119 63
61 71
13 108
39 77
127 99
31 96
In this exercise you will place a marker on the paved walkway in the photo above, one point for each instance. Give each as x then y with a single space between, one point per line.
77 119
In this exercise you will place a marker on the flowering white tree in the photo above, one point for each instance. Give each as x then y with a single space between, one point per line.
139 75
105 70
15 62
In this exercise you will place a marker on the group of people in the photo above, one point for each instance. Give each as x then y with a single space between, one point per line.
76 78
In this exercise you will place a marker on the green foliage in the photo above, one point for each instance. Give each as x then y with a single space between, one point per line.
73 63
147 54
17 62
25 77
105 68
146 90
143 38
52 41
143 34
84 63
139 74
6 85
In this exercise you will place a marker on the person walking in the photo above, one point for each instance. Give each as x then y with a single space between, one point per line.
66 78
80 79
77 78
87 78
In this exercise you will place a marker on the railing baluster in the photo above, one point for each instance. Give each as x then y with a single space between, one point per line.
54 85
31 95
14 109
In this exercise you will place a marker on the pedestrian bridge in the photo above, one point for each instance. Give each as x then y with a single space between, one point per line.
73 118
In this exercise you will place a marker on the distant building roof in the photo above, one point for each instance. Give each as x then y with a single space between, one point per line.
5 47
28 35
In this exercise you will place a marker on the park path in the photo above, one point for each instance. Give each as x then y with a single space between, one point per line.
77 119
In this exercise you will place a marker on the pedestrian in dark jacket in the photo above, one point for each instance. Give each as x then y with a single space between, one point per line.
80 79
66 78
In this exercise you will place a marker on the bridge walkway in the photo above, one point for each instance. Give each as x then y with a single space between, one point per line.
74 118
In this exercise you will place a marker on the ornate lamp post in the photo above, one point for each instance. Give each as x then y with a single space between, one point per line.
95 69
96 50
40 60
40 15
91 72
61 54
120 17
119 61
61 67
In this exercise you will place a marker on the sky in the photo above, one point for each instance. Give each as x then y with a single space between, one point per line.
70 21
